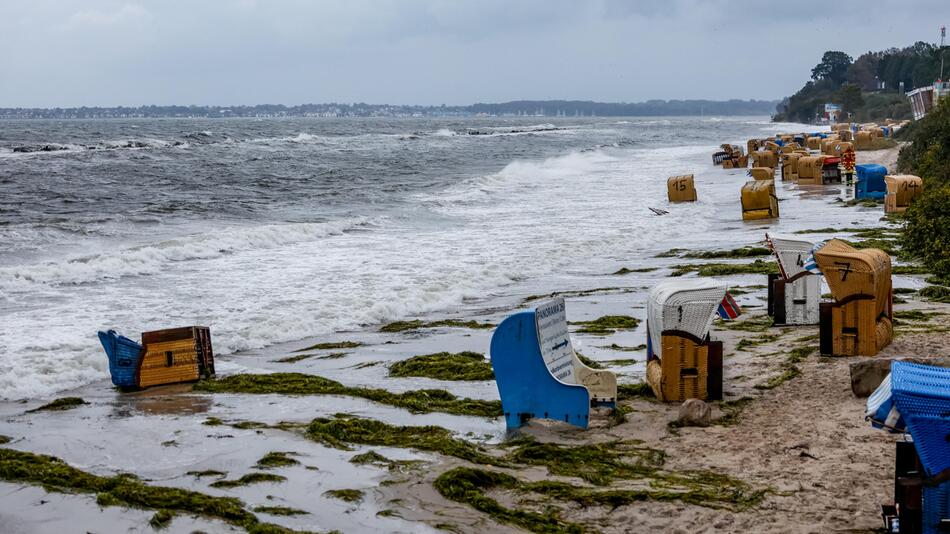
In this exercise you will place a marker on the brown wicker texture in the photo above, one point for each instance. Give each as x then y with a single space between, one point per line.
762 173
764 158
852 273
813 143
682 188
809 170
901 191
759 200
683 371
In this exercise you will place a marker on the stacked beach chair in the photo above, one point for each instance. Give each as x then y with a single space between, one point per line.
859 321
682 362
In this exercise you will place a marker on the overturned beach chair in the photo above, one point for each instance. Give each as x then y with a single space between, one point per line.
870 184
538 373
681 188
682 362
758 200
124 355
169 356
902 189
794 292
859 321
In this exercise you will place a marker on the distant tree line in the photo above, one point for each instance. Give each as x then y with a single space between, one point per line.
548 108
871 87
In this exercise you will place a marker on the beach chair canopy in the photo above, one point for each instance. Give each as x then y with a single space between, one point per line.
904 186
922 397
852 272
683 305
790 252
871 177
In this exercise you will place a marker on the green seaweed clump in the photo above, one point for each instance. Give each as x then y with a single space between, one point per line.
631 391
726 269
294 359
608 324
126 490
403 326
64 403
5 439
248 479
341 431
469 486
417 401
593 364
445 366
279 510
749 342
374 458
161 519
623 270
207 473
346 495
936 294
672 253
759 323
599 463
742 252
336 345
914 316
276 459
614 346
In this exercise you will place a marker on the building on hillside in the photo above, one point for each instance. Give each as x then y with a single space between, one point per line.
923 99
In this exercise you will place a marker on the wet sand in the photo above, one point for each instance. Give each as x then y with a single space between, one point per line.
805 439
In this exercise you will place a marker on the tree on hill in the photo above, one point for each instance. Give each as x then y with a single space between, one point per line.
834 66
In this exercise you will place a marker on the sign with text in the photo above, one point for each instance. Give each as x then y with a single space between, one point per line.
555 341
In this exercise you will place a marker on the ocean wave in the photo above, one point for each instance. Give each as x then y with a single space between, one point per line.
153 258
54 148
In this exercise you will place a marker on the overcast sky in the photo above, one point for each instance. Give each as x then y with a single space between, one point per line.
125 52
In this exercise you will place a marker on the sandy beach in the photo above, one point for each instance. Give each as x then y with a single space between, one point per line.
788 450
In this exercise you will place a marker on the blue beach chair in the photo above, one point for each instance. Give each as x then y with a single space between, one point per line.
124 357
870 181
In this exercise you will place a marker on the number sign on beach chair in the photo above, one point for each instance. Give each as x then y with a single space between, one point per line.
538 373
682 362
793 294
859 321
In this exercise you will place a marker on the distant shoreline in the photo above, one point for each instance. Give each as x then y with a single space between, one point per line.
520 108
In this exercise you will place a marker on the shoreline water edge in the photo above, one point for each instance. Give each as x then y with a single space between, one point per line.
356 434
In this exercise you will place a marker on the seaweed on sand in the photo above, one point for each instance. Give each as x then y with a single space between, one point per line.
608 324
445 366
630 391
726 269
936 293
279 510
335 345
623 270
403 326
759 323
599 464
471 486
64 403
339 432
126 490
742 252
417 401
276 459
248 479
346 495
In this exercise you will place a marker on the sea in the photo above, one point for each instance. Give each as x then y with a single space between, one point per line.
278 229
